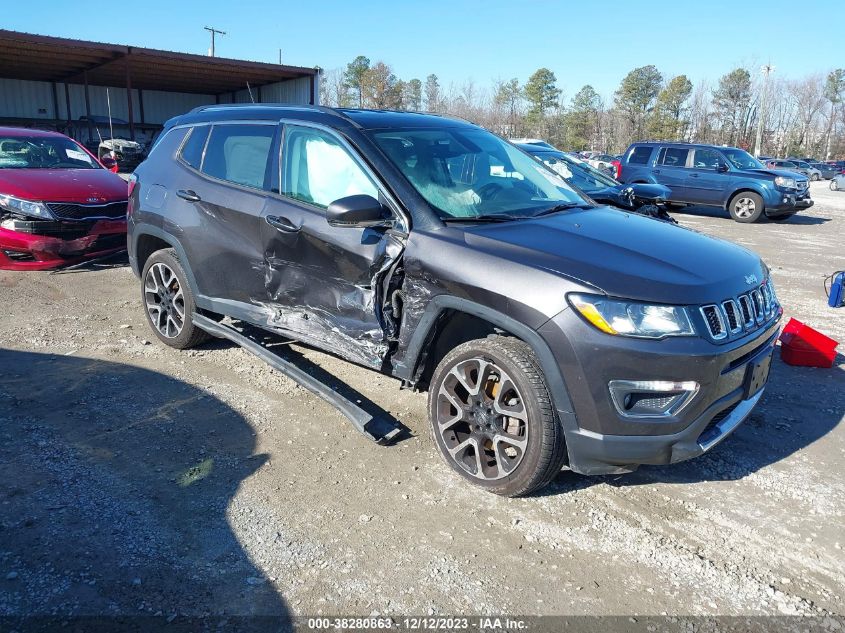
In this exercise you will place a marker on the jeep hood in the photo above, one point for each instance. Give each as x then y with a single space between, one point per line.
624 254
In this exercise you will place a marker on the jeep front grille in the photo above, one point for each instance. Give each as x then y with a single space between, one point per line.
747 310
733 316
715 323
741 314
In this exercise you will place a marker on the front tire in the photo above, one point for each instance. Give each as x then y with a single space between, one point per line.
834 186
168 301
814 177
492 417
746 207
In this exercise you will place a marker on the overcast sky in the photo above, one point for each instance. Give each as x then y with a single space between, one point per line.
582 41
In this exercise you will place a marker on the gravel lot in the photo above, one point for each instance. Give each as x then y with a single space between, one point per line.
136 479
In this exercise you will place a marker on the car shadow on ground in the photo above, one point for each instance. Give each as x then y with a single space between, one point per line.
114 488
781 425
715 212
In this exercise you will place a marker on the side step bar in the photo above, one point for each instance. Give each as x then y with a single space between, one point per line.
379 430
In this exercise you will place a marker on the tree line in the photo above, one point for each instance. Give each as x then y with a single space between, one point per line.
803 117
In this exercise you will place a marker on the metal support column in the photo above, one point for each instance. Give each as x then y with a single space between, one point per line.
143 119
88 108
129 98
56 102
67 105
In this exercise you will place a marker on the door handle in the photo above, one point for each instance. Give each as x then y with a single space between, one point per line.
693 175
656 171
282 224
189 195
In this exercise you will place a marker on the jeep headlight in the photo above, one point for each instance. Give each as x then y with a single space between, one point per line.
786 182
25 207
632 318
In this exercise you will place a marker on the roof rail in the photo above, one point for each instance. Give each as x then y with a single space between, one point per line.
443 115
288 106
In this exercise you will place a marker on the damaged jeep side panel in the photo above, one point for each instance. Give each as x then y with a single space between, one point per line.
530 302
328 285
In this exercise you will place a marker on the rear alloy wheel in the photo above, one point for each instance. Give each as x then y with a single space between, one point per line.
168 301
492 417
746 207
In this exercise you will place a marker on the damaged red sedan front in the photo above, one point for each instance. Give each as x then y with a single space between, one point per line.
58 204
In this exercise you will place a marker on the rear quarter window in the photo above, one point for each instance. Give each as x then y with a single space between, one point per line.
640 155
192 148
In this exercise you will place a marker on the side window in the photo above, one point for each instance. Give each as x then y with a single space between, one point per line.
640 155
238 153
192 148
706 159
317 169
673 157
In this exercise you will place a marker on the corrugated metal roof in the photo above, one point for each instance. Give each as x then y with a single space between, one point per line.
43 58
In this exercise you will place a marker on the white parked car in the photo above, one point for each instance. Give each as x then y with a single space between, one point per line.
602 162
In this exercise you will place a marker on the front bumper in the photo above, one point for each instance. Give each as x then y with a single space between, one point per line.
28 251
601 441
789 203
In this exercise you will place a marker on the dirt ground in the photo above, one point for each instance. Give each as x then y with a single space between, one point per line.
136 479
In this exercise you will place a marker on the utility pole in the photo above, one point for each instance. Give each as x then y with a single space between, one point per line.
280 57
213 32
766 70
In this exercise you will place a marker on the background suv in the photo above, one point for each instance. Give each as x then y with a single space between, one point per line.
725 177
547 330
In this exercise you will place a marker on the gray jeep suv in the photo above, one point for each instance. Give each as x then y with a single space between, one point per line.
548 331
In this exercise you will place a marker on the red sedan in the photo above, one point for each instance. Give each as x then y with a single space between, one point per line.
58 204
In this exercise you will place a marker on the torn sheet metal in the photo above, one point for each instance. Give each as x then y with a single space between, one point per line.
321 293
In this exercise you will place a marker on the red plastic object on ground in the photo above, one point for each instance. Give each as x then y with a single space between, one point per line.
802 345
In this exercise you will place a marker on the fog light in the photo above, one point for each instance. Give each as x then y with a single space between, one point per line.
651 398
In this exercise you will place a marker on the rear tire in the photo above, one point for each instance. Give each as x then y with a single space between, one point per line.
168 301
746 207
509 455
814 177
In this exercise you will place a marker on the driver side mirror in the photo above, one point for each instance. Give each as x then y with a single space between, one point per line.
722 167
359 211
109 163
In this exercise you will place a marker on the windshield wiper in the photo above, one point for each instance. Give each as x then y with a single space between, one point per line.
564 206
488 217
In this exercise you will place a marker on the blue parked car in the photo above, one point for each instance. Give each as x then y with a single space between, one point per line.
725 177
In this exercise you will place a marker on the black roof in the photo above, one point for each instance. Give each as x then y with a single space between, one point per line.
682 144
334 117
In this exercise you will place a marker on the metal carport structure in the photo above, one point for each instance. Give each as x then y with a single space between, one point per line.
63 64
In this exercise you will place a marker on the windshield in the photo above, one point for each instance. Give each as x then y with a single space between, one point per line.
741 159
468 172
43 152
584 176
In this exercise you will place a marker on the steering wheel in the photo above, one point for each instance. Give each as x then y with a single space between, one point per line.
490 191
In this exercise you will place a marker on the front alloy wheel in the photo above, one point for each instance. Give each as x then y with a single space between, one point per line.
481 419
492 416
746 207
